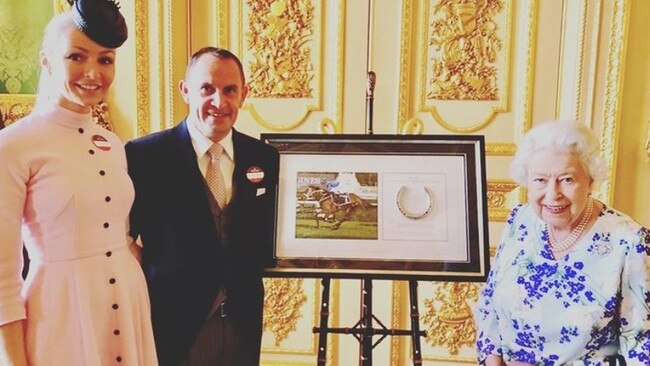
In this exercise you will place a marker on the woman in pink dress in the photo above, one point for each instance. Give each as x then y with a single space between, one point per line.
65 194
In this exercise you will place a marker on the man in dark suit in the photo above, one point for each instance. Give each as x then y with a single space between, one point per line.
203 250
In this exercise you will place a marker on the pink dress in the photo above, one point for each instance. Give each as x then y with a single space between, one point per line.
65 193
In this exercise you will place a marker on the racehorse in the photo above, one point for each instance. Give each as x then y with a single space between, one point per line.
331 203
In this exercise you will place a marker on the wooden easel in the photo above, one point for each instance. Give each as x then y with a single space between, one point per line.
364 329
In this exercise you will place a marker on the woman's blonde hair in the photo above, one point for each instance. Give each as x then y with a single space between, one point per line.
53 31
559 135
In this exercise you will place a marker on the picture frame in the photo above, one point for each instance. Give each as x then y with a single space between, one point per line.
381 206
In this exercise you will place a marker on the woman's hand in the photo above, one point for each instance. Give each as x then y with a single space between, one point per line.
12 344
136 250
493 360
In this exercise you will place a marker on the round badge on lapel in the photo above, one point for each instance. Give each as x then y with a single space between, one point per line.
101 142
255 174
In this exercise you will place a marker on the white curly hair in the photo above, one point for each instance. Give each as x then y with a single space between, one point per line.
559 135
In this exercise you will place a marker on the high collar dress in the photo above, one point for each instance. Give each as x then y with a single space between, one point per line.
65 194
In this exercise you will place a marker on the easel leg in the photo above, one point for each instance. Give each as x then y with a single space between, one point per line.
365 342
415 323
324 317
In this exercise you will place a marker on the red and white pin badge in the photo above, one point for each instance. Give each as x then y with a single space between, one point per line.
255 174
101 142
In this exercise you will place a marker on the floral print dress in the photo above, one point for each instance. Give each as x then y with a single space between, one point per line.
591 303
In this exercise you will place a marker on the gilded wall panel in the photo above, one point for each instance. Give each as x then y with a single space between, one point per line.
287 47
15 106
291 310
502 195
613 90
446 47
283 42
142 80
446 316
465 61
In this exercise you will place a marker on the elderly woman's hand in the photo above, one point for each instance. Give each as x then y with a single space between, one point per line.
494 361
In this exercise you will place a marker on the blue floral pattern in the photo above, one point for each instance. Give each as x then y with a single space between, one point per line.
591 303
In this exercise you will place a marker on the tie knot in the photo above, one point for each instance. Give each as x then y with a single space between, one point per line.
215 151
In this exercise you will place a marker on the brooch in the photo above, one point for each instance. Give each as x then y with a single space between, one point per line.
602 249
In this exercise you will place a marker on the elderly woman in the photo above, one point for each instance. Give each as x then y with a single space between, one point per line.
65 193
570 283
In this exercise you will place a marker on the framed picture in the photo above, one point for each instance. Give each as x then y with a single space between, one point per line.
381 206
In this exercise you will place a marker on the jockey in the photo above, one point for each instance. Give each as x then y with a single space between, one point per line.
339 198
331 185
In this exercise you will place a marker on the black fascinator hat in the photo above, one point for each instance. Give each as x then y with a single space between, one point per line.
100 20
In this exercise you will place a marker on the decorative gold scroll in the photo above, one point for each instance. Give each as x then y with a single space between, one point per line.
282 46
279 33
283 298
497 191
15 106
464 38
448 316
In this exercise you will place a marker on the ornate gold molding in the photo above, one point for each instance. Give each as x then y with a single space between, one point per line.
171 53
278 126
340 44
458 35
613 95
223 24
647 141
593 60
142 82
448 316
497 190
399 287
500 149
279 34
413 126
578 82
329 127
283 298
15 106
333 342
276 65
404 91
523 111
464 34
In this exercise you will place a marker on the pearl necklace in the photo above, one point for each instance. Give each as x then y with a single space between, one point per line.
570 240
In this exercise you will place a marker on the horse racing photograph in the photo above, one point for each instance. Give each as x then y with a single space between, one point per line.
336 205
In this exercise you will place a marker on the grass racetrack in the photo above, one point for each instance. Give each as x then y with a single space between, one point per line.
306 228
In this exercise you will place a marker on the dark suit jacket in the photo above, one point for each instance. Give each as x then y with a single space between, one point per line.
183 261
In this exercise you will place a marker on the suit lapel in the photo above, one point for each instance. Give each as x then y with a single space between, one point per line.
190 180
242 163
